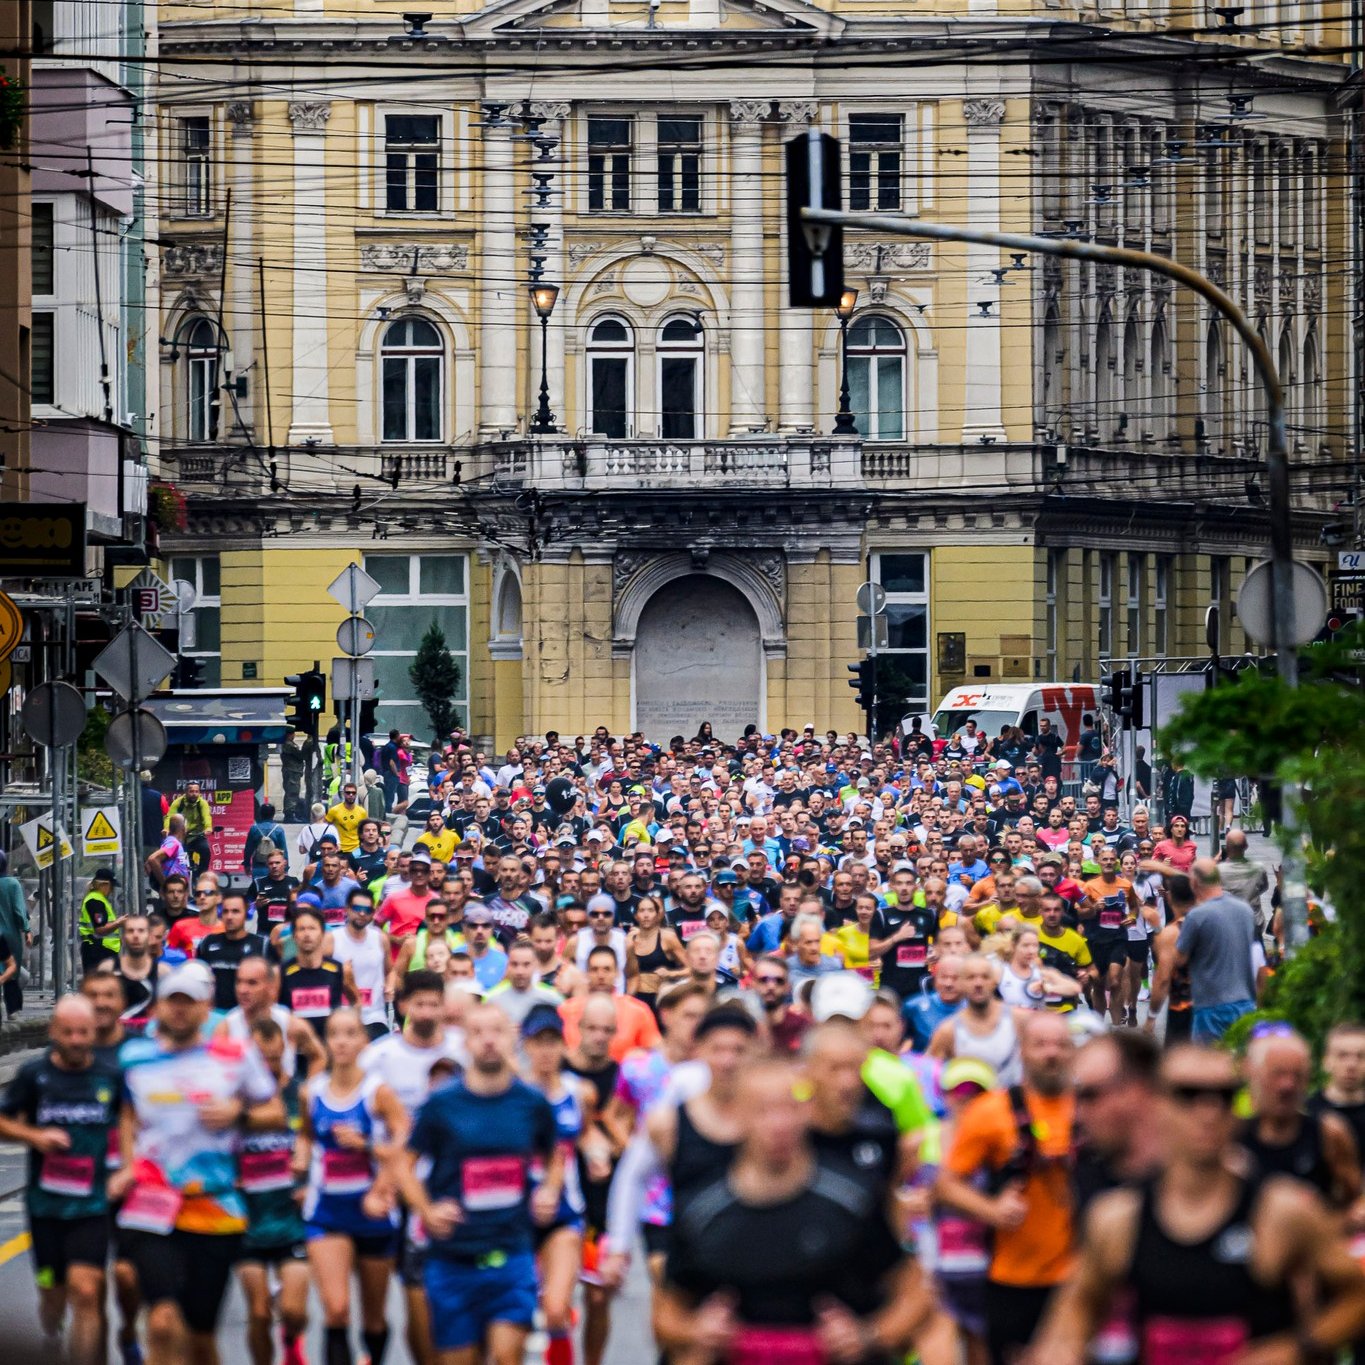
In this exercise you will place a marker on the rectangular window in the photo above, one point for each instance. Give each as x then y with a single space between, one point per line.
874 161
610 141
197 167
679 165
905 673
1309 185
1106 605
1135 568
416 591
1161 607
44 266
412 163
610 380
678 397
201 632
1220 596
43 376
1260 192
1056 575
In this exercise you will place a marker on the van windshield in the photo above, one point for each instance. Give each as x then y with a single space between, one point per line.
988 723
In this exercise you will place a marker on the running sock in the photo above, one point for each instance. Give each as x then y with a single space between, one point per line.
339 1346
559 1349
376 1343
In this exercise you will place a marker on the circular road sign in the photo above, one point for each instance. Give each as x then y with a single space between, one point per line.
355 636
135 739
54 714
11 626
1255 605
871 598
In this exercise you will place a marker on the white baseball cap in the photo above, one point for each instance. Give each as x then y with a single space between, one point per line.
193 979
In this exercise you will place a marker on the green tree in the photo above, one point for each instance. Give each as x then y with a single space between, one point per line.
1313 737
435 675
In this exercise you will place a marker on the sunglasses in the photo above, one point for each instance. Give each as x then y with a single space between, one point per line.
205 891
771 980
1223 1095
600 914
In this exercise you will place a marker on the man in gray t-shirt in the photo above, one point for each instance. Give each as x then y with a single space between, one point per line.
1241 877
1215 943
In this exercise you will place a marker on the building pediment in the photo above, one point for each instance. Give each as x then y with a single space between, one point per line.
514 18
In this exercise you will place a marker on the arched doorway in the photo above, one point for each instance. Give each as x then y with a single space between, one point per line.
698 656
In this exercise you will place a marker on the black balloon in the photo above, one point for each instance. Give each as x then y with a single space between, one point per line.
560 795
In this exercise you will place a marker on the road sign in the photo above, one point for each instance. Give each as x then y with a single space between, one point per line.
1256 608
355 636
11 626
100 827
42 842
353 678
871 598
54 714
354 589
865 632
132 663
135 739
152 599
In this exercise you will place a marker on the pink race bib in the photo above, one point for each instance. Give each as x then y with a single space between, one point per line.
914 954
493 1182
867 973
62 1173
346 1172
262 1171
310 1002
962 1246
150 1208
1111 919
366 996
775 1346
335 915
274 913
1193 1341
689 927
113 1155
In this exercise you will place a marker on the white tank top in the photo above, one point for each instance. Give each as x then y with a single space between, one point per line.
999 1048
1023 992
369 960
617 943
240 1032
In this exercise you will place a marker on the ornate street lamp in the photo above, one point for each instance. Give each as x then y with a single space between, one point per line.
844 424
543 296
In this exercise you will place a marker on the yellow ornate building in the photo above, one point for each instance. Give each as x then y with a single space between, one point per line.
1054 465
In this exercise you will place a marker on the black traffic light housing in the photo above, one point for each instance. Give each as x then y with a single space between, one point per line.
815 252
368 721
1124 697
189 673
310 696
865 681
1118 681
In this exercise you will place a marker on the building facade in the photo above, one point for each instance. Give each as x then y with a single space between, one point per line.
1054 465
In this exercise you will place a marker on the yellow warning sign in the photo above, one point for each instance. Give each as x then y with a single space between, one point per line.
44 838
100 826
37 834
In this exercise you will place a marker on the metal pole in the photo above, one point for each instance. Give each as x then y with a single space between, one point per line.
843 419
356 759
1293 894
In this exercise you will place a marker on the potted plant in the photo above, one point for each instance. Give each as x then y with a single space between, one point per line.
166 507
13 103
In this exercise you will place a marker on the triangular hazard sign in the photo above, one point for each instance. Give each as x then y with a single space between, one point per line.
44 838
100 828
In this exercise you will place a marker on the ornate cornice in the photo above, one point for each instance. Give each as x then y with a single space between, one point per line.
309 116
983 113
750 113
397 257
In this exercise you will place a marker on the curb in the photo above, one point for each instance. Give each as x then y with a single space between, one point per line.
22 1034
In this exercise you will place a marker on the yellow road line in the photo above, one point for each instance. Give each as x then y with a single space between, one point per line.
16 1246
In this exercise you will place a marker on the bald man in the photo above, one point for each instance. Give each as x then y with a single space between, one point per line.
63 1107
1241 877
1215 943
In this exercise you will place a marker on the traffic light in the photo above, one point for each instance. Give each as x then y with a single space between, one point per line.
1130 700
310 695
815 252
189 673
865 681
368 722
1119 680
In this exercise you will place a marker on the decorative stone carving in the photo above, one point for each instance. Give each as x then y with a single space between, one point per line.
1312 293
625 566
414 287
398 257
1260 284
876 288
750 111
983 113
580 251
798 111
772 564
1288 291
309 116
863 255
606 284
713 251
550 111
193 258
1218 272
242 117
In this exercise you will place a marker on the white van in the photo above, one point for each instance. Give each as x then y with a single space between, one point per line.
994 705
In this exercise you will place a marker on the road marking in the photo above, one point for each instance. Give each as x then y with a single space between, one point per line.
16 1246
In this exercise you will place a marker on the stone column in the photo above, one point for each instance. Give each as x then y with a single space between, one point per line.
796 336
504 306
556 116
311 420
242 314
981 392
748 405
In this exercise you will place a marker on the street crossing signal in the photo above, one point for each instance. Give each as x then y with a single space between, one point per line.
310 696
815 252
865 681
1113 697
1124 697
189 673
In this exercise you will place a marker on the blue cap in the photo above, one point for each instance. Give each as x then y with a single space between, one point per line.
542 1019
726 878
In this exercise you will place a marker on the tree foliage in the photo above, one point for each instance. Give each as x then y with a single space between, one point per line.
436 676
1310 738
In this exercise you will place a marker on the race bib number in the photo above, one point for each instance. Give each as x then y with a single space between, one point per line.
914 954
150 1208
366 996
689 927
962 1246
346 1172
261 1171
311 1002
336 916
1111 919
493 1182
274 912
64 1174
1193 1341
867 973
775 1346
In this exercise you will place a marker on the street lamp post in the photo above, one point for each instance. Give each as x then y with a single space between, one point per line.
844 425
543 296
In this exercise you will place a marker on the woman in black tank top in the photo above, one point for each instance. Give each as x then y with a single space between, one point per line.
1200 1301
698 1161
653 953
1305 1158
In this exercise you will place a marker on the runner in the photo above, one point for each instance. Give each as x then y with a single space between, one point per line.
403 1060
364 956
1209 1257
1171 981
257 982
1110 908
349 1118
184 1101
314 984
985 1028
224 951
481 1135
63 1106
138 972
274 1243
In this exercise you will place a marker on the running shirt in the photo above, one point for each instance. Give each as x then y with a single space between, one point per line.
239 1030
1112 900
406 1068
369 959
905 965
85 1104
340 1175
568 1112
510 918
187 1175
186 934
313 993
223 955
1066 952
481 1149
139 996
267 1180
346 821
272 900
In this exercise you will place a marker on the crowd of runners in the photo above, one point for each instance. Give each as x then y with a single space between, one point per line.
871 1053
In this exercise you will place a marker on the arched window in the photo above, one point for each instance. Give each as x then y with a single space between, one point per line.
201 391
1310 383
413 364
1053 356
611 378
1213 388
680 379
1130 403
1105 411
876 378
1294 394
1159 383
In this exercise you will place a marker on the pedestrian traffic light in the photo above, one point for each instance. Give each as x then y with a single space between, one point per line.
310 696
865 681
815 252
1119 680
368 722
1130 700
189 673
